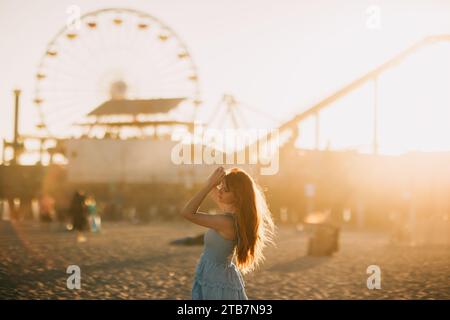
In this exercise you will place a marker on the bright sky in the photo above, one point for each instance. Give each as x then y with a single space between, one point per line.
279 56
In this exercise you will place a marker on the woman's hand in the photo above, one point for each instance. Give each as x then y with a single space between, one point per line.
216 177
191 208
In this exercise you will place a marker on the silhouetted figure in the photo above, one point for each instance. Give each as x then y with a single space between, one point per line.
47 208
79 214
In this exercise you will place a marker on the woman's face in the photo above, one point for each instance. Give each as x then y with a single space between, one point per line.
225 195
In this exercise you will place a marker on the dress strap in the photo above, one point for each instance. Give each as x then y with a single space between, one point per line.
236 226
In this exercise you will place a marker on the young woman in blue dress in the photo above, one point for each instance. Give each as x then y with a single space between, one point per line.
235 239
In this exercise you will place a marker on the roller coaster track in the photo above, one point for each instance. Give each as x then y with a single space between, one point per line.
372 75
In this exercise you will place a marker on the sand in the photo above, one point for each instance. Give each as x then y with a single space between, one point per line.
129 261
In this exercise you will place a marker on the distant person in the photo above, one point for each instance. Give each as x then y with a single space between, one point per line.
79 216
93 218
235 238
46 208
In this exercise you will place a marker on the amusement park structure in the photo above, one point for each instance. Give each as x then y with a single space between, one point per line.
86 88
118 73
292 126
118 93
125 74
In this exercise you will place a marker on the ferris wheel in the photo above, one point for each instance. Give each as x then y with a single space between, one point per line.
110 52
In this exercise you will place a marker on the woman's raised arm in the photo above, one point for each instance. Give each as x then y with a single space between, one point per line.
190 211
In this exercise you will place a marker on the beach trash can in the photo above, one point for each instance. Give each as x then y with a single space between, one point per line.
323 236
323 240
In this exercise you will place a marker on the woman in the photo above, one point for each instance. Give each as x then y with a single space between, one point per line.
235 238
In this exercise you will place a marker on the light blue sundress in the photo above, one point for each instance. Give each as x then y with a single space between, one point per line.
216 276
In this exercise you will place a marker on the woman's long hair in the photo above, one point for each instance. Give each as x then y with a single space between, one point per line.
254 221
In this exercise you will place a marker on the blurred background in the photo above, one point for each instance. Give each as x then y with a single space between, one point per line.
95 95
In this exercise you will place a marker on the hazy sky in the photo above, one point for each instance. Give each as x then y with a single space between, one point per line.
279 56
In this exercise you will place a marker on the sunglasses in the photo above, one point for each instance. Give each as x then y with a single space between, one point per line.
223 186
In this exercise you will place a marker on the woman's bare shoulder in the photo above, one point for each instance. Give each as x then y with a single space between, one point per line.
228 227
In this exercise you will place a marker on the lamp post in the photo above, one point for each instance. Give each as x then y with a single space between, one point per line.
16 126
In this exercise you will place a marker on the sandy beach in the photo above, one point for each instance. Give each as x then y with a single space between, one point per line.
129 261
